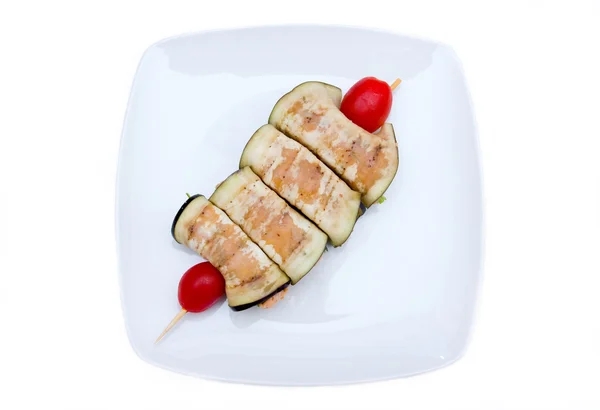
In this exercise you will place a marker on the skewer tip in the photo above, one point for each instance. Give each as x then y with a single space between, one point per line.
395 84
176 319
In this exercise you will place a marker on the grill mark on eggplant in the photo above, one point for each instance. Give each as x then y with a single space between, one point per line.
190 232
279 173
308 180
252 279
322 210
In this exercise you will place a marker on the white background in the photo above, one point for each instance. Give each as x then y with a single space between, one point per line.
534 73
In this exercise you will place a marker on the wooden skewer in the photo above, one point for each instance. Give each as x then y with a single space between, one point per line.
395 84
176 319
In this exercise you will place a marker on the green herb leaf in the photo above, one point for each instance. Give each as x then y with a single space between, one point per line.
381 199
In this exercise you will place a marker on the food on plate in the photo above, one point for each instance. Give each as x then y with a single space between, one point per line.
317 160
288 238
306 183
250 276
368 103
367 162
200 287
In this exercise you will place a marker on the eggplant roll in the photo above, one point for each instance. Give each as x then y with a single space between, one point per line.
304 181
288 238
250 276
310 115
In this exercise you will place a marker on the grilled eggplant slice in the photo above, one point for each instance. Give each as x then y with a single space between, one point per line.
288 238
367 162
250 276
299 177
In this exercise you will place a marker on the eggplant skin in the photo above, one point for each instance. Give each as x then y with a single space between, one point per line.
185 204
362 210
239 308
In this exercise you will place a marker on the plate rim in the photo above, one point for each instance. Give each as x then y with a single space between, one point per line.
480 185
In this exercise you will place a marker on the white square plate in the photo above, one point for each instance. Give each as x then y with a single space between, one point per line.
395 300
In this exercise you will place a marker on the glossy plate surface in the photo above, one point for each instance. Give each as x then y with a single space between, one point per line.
397 299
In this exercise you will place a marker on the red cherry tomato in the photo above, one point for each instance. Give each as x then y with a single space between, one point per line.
200 287
368 103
